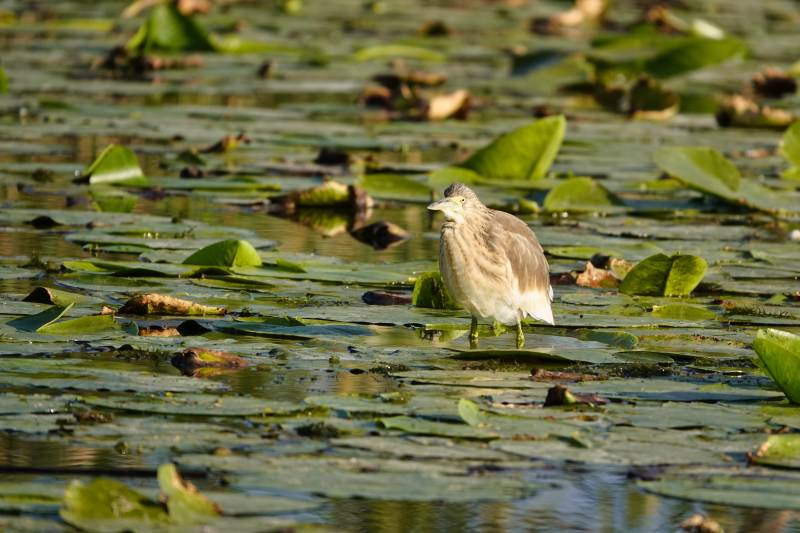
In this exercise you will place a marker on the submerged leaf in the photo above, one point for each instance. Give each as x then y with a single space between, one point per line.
228 253
523 154
661 275
780 353
115 164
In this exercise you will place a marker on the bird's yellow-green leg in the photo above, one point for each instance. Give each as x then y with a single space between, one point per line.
473 331
520 335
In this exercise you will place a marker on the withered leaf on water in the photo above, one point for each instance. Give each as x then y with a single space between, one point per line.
160 304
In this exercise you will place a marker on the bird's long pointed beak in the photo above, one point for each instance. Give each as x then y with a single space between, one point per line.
439 205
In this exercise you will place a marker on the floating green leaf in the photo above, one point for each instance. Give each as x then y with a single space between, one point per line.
692 54
85 325
684 312
168 30
523 154
429 291
106 505
661 275
392 51
395 187
470 412
228 253
39 320
781 450
790 150
703 168
48 295
115 164
780 353
185 504
580 194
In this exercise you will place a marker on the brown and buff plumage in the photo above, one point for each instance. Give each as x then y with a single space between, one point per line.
492 262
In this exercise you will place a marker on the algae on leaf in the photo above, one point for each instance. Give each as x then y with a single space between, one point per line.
525 153
429 291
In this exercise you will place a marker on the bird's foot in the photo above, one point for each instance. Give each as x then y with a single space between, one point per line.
473 333
520 337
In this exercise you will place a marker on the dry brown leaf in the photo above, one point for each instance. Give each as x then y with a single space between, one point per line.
698 523
738 110
597 278
773 83
192 359
159 304
158 331
455 104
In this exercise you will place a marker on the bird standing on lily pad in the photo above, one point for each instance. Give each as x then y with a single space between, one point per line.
492 263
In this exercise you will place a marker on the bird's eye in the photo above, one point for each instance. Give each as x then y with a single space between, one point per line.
462 199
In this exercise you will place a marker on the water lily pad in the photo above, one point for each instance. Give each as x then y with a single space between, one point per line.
661 275
692 54
780 353
580 194
228 253
522 154
115 164
782 451
168 30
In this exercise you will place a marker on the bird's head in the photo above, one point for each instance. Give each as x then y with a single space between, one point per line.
458 203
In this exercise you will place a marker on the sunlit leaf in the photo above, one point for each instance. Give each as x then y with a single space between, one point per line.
228 253
522 154
662 275
780 353
115 164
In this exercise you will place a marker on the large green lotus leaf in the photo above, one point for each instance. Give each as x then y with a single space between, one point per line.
115 164
107 505
430 292
446 175
580 194
702 168
228 253
168 30
660 275
185 504
523 154
692 54
395 187
751 488
394 51
780 353
781 450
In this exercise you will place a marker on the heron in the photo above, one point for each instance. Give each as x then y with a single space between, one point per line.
492 263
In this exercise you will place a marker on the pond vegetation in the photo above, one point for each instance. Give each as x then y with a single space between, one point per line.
221 303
